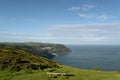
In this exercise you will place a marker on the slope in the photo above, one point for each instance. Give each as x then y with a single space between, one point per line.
19 60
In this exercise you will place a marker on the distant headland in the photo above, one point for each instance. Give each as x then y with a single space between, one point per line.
48 50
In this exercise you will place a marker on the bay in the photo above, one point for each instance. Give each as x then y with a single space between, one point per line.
104 57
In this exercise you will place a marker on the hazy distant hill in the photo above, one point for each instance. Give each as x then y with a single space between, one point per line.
42 49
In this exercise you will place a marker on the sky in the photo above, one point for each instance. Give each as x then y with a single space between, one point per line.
60 21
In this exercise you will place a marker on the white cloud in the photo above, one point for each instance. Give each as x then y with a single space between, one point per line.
74 8
79 33
95 16
102 17
84 7
86 32
88 11
87 7
95 39
85 12
84 15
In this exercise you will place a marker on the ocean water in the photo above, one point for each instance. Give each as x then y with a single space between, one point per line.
104 57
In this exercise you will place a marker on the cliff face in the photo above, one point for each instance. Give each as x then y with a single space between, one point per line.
41 49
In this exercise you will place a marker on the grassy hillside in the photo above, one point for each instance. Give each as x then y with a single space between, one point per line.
20 65
19 60
77 74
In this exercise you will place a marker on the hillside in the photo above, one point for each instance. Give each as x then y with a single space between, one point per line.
20 60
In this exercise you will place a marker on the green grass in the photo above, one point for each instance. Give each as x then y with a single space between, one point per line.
77 74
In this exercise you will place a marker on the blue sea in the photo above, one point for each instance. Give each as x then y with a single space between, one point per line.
104 57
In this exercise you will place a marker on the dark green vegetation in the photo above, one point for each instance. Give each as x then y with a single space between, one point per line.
42 49
17 60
